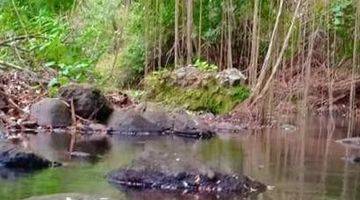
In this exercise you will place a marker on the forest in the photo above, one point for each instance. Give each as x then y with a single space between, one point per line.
178 96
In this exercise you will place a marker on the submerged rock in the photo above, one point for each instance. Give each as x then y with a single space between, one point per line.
12 157
230 77
130 122
51 112
88 101
218 184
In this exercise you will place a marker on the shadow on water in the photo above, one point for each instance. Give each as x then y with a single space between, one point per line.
302 162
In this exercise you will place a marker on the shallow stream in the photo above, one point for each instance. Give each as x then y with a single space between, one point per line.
301 160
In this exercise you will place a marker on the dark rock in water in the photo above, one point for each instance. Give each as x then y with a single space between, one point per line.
187 126
130 121
51 112
219 184
12 157
88 101
150 121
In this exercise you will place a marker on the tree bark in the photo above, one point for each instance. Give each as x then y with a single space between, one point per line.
189 27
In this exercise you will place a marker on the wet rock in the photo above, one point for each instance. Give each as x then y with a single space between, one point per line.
130 122
88 101
230 77
188 126
158 116
226 127
184 182
51 112
12 157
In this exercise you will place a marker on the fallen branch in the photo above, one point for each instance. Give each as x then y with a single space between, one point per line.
10 65
23 37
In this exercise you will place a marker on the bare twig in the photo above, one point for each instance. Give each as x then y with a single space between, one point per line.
12 103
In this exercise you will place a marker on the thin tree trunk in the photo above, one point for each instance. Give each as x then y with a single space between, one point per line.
279 59
354 68
267 59
189 26
229 31
176 45
254 46
200 27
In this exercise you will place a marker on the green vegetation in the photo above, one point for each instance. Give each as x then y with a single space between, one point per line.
117 43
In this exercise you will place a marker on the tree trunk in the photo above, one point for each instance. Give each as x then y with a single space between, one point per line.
176 45
279 59
254 46
189 27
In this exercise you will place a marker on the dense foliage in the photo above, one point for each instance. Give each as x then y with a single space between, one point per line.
117 42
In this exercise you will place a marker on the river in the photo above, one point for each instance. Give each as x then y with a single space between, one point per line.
301 160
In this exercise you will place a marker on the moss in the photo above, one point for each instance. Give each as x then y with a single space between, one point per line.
211 97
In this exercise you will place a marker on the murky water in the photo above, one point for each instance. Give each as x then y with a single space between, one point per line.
305 163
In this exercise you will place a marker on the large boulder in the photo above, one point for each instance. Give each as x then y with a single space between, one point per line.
51 112
230 77
12 157
89 102
130 122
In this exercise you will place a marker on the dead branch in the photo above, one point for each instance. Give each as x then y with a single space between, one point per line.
12 103
19 38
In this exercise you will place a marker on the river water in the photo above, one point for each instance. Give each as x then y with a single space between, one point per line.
301 160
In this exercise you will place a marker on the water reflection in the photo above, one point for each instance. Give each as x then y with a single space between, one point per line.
305 163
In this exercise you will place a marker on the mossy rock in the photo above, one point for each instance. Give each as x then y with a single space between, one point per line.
209 97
